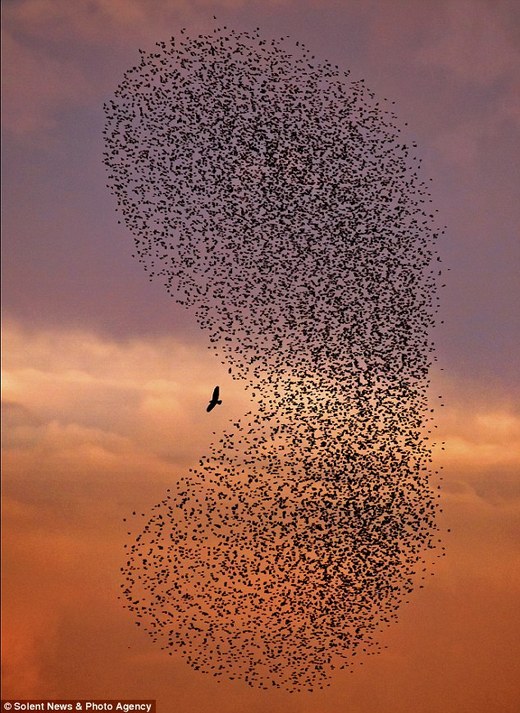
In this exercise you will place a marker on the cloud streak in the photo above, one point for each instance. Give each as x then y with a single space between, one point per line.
74 387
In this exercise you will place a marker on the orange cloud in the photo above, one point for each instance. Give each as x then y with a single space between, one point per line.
480 439
96 428
74 391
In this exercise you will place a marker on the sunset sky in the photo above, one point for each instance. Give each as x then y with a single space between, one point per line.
104 375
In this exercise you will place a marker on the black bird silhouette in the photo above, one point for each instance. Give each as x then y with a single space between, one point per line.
214 399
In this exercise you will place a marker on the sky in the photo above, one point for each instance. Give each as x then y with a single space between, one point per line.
103 374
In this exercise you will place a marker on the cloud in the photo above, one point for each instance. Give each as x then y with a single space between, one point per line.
95 22
95 429
468 141
76 401
89 439
58 55
475 48
481 439
74 397
35 85
27 638
477 439
472 42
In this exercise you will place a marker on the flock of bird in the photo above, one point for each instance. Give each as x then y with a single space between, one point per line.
276 198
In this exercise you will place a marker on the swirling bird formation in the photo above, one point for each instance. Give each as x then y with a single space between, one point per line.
276 198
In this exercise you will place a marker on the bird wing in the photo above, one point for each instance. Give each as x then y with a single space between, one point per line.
216 392
211 406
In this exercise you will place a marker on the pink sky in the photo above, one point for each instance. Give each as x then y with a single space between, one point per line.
104 374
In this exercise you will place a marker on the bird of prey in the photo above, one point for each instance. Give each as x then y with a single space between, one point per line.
214 399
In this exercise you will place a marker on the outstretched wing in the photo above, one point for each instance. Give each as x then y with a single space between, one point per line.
211 406
216 392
